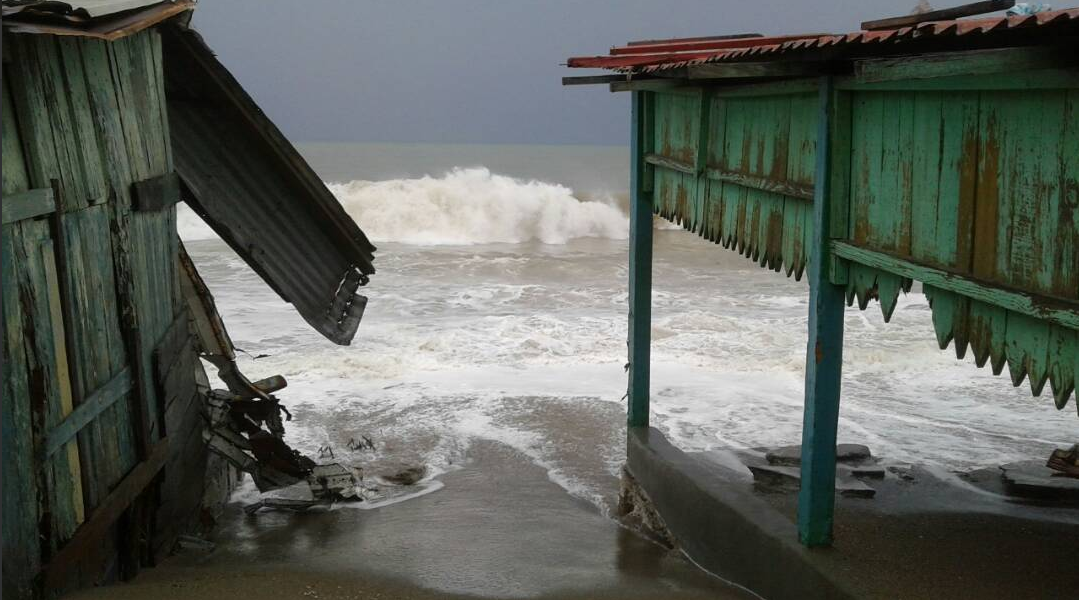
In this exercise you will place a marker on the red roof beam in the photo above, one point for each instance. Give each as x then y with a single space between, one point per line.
711 45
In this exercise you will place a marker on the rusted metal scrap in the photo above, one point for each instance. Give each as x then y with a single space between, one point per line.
1065 461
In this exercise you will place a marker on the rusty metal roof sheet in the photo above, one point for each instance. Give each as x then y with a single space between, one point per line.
100 19
252 187
671 54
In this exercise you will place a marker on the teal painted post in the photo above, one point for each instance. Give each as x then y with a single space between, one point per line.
640 267
824 353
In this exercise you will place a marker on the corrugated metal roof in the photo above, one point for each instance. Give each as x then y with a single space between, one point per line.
244 178
645 58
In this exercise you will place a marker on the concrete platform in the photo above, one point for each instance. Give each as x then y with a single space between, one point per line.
927 534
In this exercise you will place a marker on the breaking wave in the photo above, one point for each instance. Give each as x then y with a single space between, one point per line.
475 206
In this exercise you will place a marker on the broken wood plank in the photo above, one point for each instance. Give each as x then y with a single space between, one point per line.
944 14
28 204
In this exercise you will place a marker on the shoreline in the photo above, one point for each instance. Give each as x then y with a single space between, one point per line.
498 529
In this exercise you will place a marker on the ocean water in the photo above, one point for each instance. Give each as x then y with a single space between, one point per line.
498 313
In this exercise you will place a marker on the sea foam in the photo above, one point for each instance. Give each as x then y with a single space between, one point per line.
475 206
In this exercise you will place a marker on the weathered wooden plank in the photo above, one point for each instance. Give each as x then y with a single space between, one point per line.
15 178
28 204
1067 241
49 389
640 269
88 149
670 163
596 79
943 14
131 319
105 111
867 149
748 70
1040 79
90 408
32 108
1053 310
83 543
970 62
649 85
824 353
68 471
1063 349
774 88
787 188
1023 220
92 316
22 542
127 101
67 146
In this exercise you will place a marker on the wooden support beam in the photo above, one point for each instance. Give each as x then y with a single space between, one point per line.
794 190
670 163
944 14
648 85
1059 311
972 62
640 263
594 79
749 70
87 411
87 537
787 188
824 352
28 204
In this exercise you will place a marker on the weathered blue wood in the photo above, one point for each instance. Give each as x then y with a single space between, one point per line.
640 269
88 410
824 355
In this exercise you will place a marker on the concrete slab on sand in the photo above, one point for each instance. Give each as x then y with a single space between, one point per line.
498 529
933 536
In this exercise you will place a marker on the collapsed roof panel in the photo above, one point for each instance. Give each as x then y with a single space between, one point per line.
252 187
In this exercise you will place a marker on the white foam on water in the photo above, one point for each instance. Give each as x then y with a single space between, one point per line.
190 226
499 313
475 206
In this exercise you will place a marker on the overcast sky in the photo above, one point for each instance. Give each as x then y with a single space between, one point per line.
469 71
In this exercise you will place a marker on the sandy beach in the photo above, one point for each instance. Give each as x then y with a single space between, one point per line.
498 529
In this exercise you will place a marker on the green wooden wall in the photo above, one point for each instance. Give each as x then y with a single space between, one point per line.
968 184
89 288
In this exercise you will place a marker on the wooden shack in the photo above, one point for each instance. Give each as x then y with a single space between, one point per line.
112 113
921 149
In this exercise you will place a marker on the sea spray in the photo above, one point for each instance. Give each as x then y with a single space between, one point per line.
475 206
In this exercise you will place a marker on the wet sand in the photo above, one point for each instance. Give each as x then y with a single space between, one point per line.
498 529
